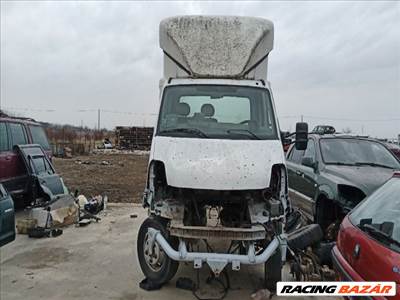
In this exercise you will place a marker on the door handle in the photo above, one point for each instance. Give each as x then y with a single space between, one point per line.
299 173
8 157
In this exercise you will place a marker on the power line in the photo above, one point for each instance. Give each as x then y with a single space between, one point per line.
340 119
155 114
353 120
79 110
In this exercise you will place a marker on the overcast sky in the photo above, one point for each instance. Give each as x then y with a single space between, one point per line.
335 63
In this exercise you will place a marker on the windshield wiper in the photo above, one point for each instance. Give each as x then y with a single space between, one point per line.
244 130
372 164
195 131
375 232
339 163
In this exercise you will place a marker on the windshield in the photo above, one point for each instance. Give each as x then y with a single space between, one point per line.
214 111
381 211
357 152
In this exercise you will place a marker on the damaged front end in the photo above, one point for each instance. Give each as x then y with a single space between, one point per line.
249 222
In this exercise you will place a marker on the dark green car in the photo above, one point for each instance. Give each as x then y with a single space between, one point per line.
7 218
335 173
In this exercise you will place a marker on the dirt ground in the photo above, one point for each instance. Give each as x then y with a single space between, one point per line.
99 261
121 177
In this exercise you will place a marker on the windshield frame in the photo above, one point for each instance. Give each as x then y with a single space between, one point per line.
228 136
352 139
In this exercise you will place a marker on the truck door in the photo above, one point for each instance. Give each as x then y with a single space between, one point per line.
7 217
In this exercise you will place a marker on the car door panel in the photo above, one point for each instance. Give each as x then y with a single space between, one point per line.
307 187
7 217
293 160
13 173
303 180
5 153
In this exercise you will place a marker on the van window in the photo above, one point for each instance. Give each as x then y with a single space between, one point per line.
17 134
4 146
39 136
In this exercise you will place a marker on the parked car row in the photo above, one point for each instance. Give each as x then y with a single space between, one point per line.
350 186
335 173
14 178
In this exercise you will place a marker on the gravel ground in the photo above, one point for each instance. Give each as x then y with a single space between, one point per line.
122 177
99 261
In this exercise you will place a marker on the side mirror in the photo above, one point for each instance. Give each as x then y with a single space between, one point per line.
301 136
309 162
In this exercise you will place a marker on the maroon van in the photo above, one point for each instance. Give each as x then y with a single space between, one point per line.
394 148
15 131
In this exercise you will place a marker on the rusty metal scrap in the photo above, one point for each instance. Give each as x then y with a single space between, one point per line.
222 233
133 138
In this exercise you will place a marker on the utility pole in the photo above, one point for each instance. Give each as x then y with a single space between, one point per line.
98 119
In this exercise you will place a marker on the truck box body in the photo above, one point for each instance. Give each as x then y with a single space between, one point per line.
216 47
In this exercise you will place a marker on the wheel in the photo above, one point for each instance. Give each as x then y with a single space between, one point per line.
326 213
273 270
305 236
158 267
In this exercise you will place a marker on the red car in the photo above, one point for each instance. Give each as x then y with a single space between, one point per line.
368 243
14 131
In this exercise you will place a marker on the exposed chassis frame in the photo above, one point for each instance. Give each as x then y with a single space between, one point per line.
256 232
218 261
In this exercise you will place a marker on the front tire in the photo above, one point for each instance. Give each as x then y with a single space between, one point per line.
158 267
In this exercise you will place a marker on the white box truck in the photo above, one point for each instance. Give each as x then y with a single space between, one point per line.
217 167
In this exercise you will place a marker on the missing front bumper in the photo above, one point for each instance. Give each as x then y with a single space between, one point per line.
218 261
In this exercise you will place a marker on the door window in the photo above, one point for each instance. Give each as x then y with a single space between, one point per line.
310 151
39 137
17 134
4 146
296 155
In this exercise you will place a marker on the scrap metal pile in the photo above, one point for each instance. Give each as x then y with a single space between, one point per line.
133 138
51 205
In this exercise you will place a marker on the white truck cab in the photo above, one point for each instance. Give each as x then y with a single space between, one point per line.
217 148
217 134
